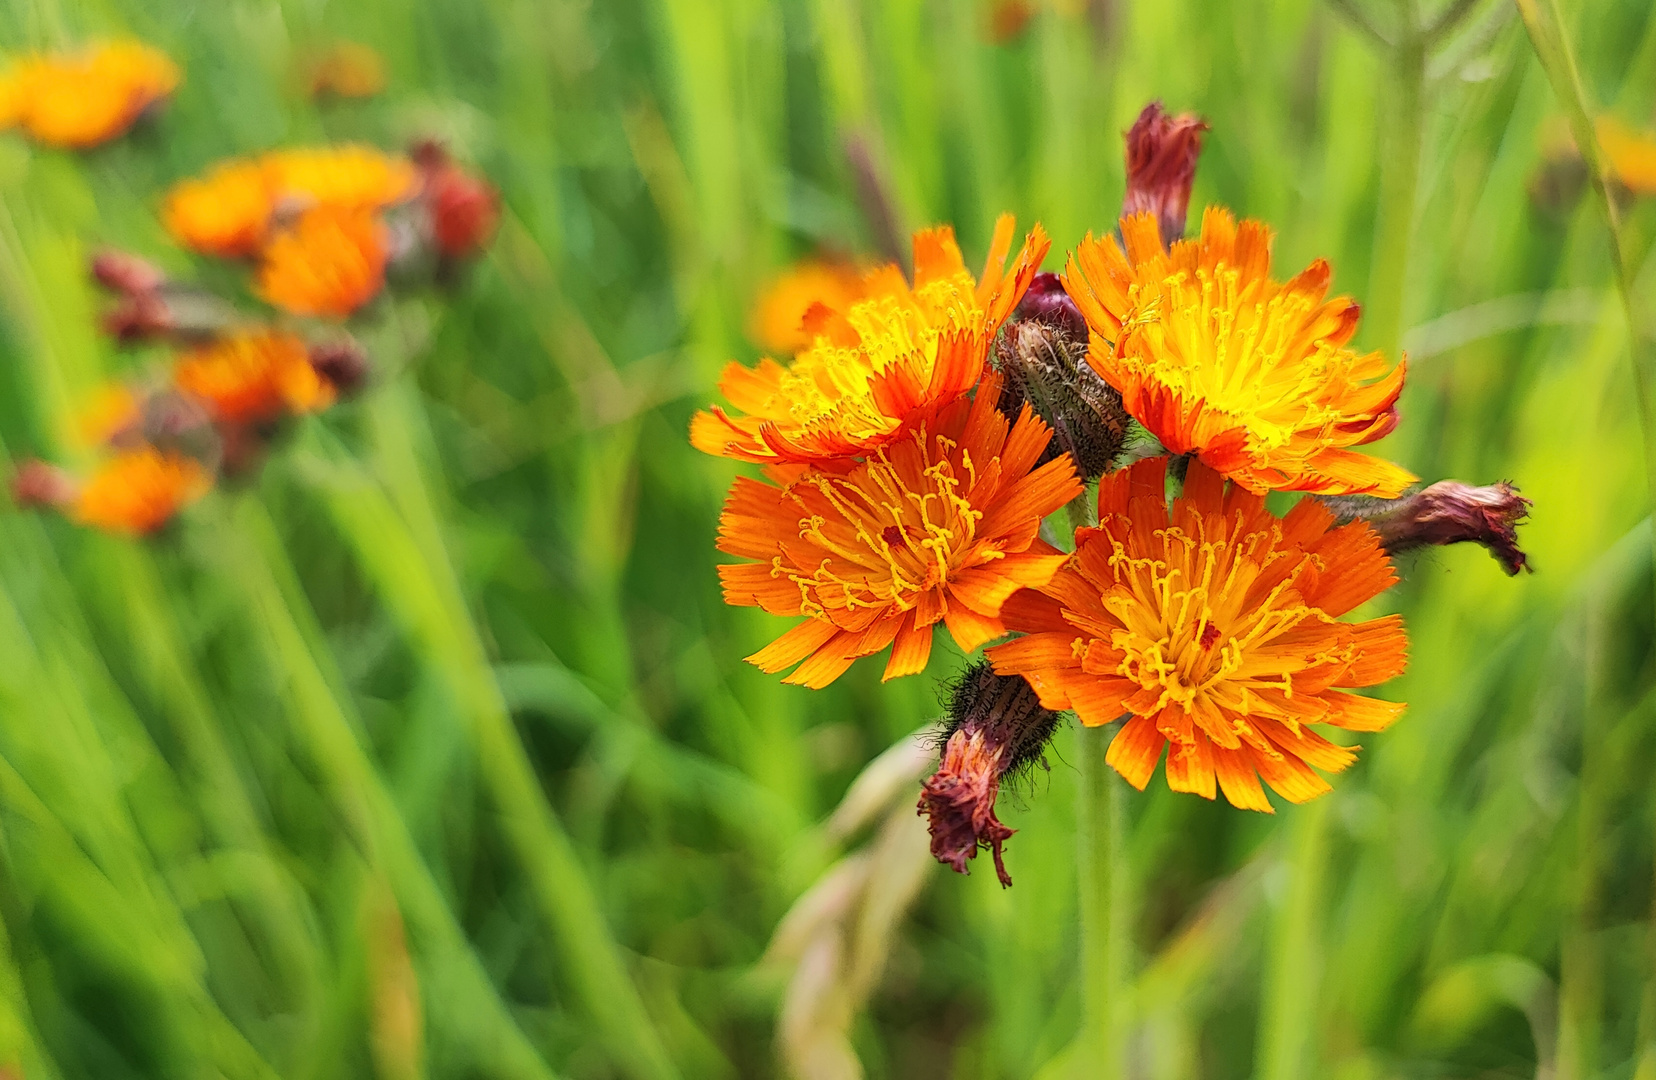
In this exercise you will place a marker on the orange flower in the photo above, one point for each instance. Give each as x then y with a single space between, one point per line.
85 98
251 376
225 213
1629 156
778 320
348 69
330 263
897 350
1212 627
114 409
229 212
1215 358
139 491
938 525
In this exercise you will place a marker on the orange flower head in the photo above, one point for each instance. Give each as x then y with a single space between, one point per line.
938 525
1629 156
329 263
344 177
138 491
1217 359
778 320
348 69
81 99
1212 626
900 349
225 213
112 411
253 375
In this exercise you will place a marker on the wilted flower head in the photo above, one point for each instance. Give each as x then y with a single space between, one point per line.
329 263
253 375
139 490
1448 512
1214 626
900 349
778 320
1161 166
939 525
461 209
84 98
995 726
1215 358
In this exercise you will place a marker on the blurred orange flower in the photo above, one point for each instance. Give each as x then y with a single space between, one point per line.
230 211
331 262
777 324
84 98
1630 156
1213 627
899 349
253 375
939 525
348 69
1215 358
139 491
115 408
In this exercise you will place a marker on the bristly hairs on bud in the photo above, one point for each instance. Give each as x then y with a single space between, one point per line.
1448 512
994 728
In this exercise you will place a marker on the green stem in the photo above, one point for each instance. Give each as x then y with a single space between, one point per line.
1288 1018
1102 879
1399 187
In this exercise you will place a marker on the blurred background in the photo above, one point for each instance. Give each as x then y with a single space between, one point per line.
430 751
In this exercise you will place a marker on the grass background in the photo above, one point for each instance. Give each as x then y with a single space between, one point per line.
431 753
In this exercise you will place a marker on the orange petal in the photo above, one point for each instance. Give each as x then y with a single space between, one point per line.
910 651
793 646
1135 749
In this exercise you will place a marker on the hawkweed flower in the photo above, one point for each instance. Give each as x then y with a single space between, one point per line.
1041 355
1214 628
232 210
347 69
938 525
996 727
1162 151
329 263
1448 512
80 99
901 349
137 491
1217 359
252 376
777 323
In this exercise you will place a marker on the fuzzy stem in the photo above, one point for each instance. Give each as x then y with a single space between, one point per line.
1101 869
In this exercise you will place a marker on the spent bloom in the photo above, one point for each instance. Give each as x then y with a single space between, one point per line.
1162 151
898 350
1214 626
1216 358
938 525
329 263
83 98
459 210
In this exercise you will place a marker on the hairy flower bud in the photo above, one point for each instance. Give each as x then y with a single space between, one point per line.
342 363
1448 512
124 272
1161 165
996 726
1046 366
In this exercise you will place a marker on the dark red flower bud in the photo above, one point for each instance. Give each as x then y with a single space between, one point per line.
996 727
342 364
1161 165
1047 302
38 484
464 211
124 272
1448 512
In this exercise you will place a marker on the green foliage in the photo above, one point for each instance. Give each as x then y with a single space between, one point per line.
430 751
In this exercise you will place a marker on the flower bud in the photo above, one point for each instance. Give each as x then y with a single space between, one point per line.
995 727
38 484
462 209
1046 367
342 364
123 272
1448 512
1047 302
1161 164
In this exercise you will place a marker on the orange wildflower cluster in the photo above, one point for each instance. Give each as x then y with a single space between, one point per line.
80 99
320 221
893 501
347 69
